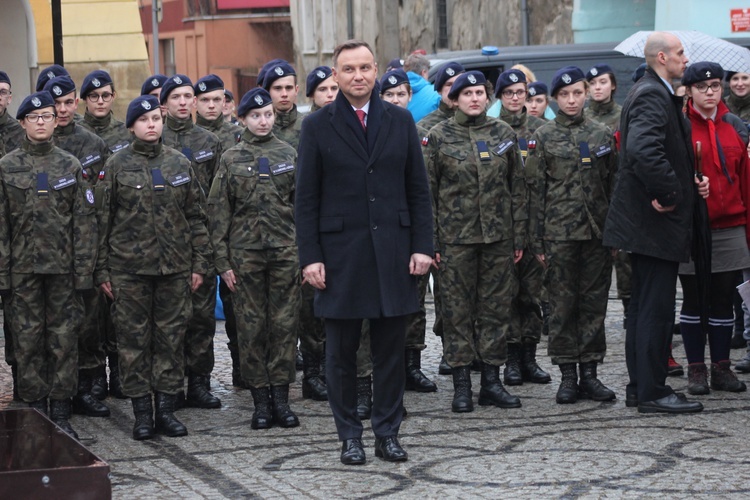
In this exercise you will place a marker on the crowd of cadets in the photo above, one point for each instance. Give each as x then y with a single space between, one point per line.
517 200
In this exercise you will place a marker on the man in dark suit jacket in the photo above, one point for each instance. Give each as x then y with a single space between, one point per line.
364 232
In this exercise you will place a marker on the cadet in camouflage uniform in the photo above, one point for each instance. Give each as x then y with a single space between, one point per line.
280 81
537 100
321 87
252 228
203 149
153 251
47 251
92 152
572 161
480 206
526 325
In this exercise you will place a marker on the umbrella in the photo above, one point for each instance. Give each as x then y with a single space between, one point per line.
702 243
698 47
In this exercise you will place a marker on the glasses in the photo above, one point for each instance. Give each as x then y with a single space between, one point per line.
703 88
510 93
4 93
105 96
46 117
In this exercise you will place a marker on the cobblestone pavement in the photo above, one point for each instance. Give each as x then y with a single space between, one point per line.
587 450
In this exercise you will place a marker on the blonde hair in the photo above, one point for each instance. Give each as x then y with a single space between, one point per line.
530 76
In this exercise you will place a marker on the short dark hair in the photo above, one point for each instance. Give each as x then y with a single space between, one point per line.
350 45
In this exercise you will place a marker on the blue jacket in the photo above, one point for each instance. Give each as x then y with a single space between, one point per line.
424 99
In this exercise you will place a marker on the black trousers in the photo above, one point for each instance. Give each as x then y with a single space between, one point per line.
650 323
388 375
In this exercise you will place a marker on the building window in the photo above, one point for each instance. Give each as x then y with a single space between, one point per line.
166 56
317 24
441 14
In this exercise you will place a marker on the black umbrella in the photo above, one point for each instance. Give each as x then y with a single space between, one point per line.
702 245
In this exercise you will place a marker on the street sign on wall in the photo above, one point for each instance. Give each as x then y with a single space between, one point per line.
740 19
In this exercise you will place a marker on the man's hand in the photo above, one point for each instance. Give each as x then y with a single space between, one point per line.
196 281
542 260
517 256
229 280
315 274
436 261
419 264
702 186
106 287
662 210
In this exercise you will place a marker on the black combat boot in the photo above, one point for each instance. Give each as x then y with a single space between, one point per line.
530 370
567 393
262 418
59 413
84 403
512 373
492 391
144 418
99 382
364 397
724 379
444 368
115 388
40 405
14 373
590 387
166 422
282 413
198 395
698 379
462 395
415 379
313 385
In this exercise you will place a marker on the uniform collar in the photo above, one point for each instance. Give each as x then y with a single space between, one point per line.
145 148
470 121
36 149
68 129
4 118
98 123
601 108
736 102
287 119
251 138
209 124
514 121
569 121
446 109
178 125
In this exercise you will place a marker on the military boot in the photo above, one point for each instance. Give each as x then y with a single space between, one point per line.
444 368
697 379
84 403
492 391
567 393
282 413
40 405
166 422
512 372
364 397
99 382
462 395
743 366
115 388
198 395
724 379
415 379
14 374
144 418
262 418
313 385
59 413
530 370
590 387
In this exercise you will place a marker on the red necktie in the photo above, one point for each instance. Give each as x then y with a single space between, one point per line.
361 115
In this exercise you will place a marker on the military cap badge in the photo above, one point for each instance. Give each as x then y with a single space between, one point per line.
566 78
154 83
708 74
50 75
513 77
177 80
594 71
279 71
146 105
392 80
472 79
532 91
450 71
96 83
36 102
57 90
259 100
202 86
320 74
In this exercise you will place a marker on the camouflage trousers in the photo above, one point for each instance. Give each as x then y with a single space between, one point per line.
623 273
526 311
577 280
266 307
311 333
416 324
199 338
90 336
477 286
45 315
150 315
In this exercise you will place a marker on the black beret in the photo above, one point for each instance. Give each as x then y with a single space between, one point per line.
48 74
152 83
4 77
468 79
702 71
538 88
254 98
277 71
565 76
508 78
172 83
639 72
208 83
60 86
598 70
264 69
446 72
393 78
315 78
35 102
94 80
140 106
228 95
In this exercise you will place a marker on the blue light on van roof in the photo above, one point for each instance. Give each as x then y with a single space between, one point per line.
490 50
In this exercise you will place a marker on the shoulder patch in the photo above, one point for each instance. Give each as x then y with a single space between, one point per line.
532 144
425 141
90 196
503 147
281 168
602 150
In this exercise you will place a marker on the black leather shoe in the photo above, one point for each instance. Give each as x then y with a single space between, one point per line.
631 401
390 450
352 452
670 404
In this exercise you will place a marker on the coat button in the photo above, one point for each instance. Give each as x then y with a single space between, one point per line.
374 227
372 198
369 170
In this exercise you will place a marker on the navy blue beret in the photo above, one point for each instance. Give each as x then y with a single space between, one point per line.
393 78
34 103
228 95
140 106
172 83
507 78
152 83
702 71
48 74
538 88
277 71
446 72
395 64
599 70
208 83
94 80
253 99
60 86
4 77
565 76
315 78
468 79
264 69
639 72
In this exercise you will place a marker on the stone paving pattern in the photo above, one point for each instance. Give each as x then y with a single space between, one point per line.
586 450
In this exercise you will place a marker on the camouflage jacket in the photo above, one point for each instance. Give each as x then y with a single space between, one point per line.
90 150
228 133
439 115
607 113
200 146
151 220
47 216
251 204
739 106
479 194
113 131
288 126
570 189
11 133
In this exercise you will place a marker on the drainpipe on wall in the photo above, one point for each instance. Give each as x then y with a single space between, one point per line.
57 35
524 22
350 19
